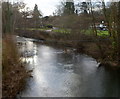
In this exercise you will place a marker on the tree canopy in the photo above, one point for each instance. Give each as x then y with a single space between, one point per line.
69 8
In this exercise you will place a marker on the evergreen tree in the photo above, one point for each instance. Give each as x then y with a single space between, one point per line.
36 12
36 16
69 8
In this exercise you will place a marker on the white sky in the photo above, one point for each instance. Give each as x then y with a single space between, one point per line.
47 7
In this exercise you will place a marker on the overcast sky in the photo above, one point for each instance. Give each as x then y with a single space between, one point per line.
47 7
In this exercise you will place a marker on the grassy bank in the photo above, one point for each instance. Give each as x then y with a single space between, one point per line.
68 31
13 72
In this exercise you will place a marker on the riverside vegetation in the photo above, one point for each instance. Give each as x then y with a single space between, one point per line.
13 69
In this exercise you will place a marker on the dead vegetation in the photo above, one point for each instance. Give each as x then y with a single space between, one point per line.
14 72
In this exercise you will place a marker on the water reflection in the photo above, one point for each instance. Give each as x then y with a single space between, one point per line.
58 73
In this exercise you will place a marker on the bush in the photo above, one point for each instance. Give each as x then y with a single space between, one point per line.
13 72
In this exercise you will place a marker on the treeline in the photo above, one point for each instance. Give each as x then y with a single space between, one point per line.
17 15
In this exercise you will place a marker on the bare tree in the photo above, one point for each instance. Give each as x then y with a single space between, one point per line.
106 17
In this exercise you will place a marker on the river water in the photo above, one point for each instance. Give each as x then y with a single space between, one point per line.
62 72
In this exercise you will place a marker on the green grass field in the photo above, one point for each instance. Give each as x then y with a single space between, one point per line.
102 33
88 32
99 32
64 31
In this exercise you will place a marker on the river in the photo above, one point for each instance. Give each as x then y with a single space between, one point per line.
62 72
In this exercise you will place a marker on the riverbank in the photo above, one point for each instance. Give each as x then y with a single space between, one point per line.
99 48
14 72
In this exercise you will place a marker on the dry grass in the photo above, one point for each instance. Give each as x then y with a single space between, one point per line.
14 73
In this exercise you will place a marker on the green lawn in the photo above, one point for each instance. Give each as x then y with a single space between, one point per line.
102 33
99 32
64 31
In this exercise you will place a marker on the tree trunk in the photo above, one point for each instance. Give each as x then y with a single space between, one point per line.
106 18
93 20
118 31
